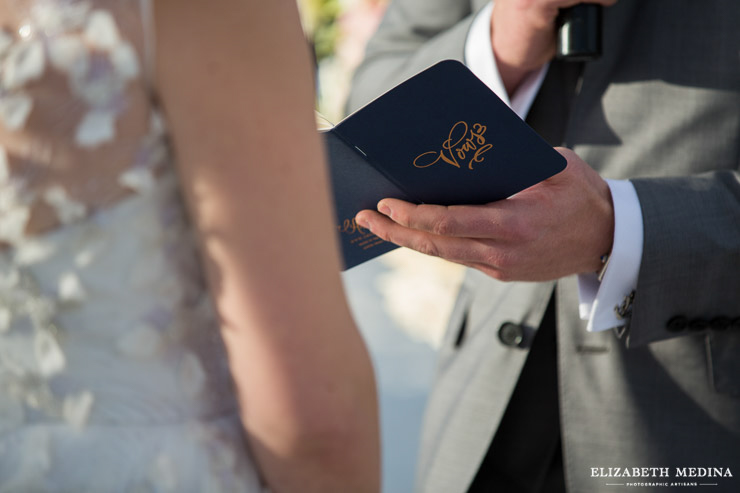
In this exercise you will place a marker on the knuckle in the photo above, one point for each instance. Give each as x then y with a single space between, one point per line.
494 258
471 251
497 274
460 253
503 261
526 233
508 226
518 230
383 234
443 226
427 247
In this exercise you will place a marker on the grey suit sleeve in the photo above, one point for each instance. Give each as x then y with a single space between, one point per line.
413 35
689 278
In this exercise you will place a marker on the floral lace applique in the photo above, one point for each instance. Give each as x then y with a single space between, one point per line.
24 62
67 210
76 408
80 42
84 45
113 63
55 18
70 289
15 211
15 204
27 380
107 332
152 153
21 61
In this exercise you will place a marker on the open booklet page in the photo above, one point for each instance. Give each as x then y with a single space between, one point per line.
440 137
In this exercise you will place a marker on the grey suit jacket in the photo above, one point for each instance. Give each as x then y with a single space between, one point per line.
662 108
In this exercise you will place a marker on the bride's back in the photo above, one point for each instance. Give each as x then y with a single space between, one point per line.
113 375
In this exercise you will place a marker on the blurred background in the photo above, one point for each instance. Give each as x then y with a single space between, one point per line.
401 301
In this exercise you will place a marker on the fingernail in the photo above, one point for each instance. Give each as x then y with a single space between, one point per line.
384 209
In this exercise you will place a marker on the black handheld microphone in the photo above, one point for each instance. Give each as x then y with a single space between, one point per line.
579 33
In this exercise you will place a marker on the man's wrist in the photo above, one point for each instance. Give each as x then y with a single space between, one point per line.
621 271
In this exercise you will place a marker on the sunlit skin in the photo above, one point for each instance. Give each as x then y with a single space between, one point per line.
523 35
302 372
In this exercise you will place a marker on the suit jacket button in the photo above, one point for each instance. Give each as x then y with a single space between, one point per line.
510 334
698 324
677 324
720 323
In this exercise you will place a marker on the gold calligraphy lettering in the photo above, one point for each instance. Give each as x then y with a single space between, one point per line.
350 227
461 142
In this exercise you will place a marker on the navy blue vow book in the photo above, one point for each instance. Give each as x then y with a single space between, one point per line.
441 137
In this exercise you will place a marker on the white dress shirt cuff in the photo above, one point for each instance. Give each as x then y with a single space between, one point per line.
599 299
480 60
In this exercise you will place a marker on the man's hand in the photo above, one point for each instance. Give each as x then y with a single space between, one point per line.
523 35
560 226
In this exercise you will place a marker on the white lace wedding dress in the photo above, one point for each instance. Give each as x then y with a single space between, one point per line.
113 376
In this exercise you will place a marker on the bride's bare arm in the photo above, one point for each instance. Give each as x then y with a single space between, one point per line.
235 80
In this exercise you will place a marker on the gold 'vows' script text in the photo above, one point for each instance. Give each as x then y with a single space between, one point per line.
463 144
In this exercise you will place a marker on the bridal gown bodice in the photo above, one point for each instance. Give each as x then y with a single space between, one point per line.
113 375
